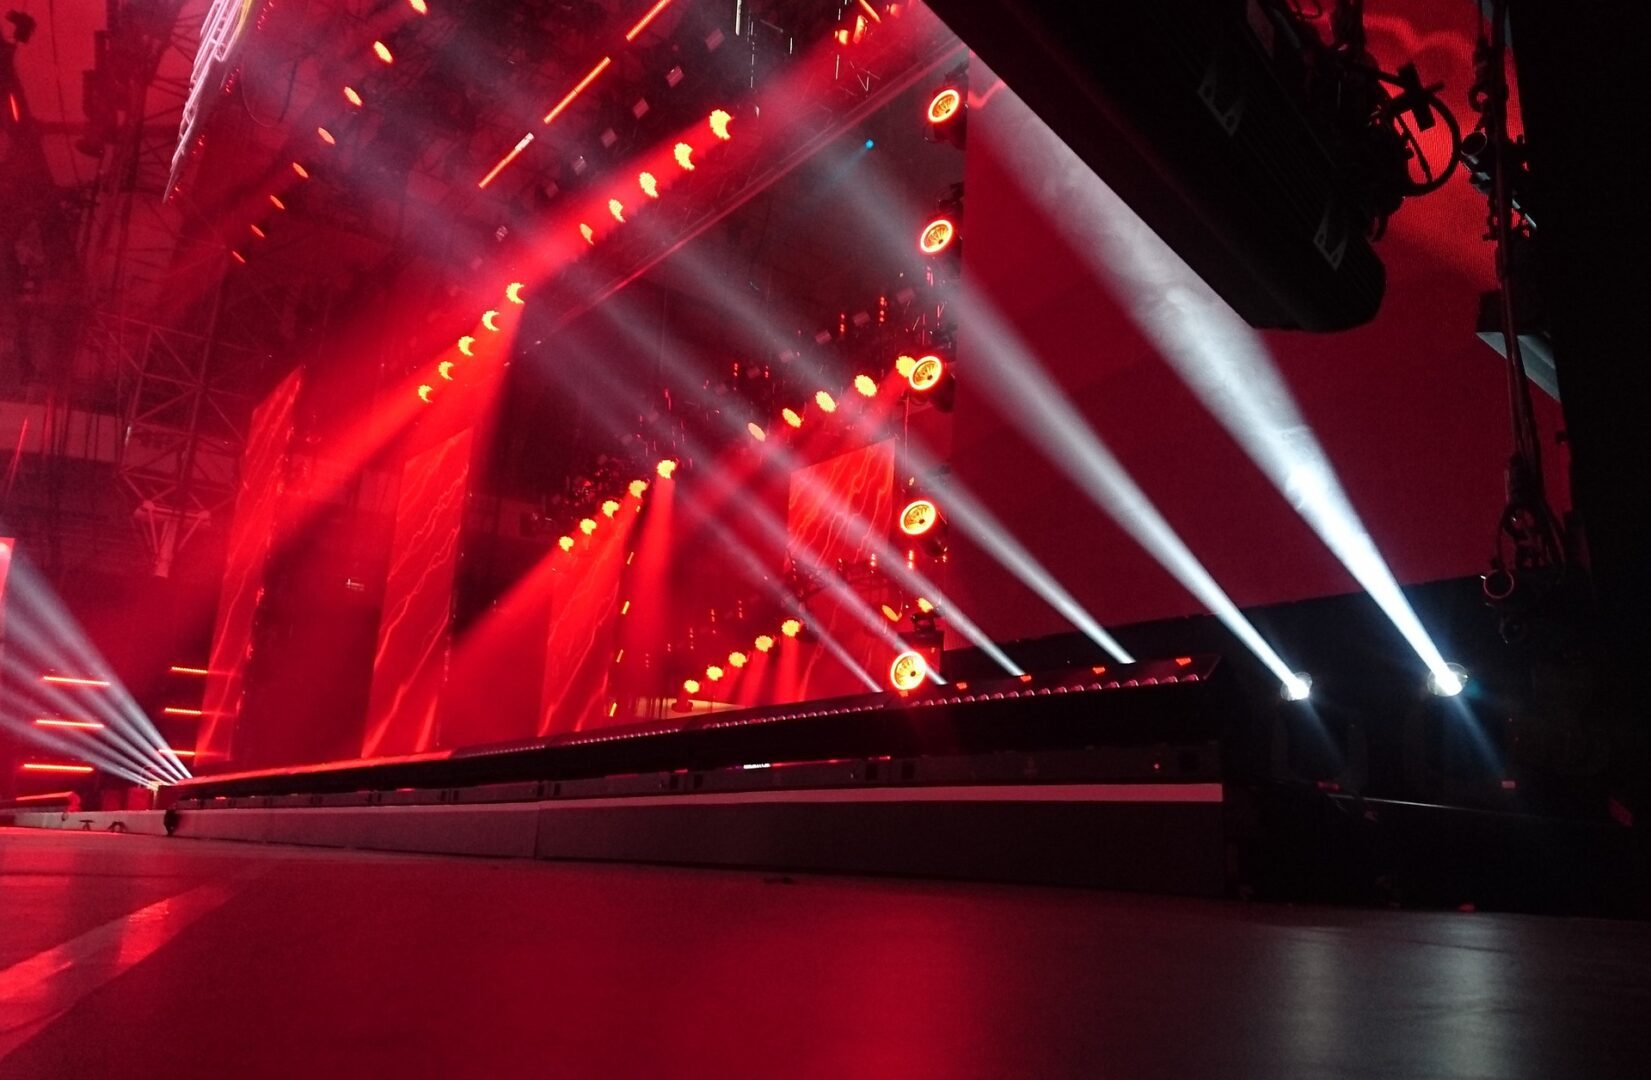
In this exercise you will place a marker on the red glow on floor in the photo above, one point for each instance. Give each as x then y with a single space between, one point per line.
74 680
521 144
642 23
925 374
82 725
178 710
596 71
35 766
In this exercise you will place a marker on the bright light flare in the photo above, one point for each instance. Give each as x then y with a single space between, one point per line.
926 373
791 628
490 319
649 185
419 6
866 385
764 643
919 517
825 401
299 171
905 365
945 105
1451 682
737 659
466 343
666 469
181 669
610 508
617 209
587 525
756 431
352 96
792 417
513 292
445 370
684 155
936 236
1298 687
719 121
382 51
565 543
637 488
587 232
890 613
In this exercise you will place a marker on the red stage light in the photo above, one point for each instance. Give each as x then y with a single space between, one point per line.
764 643
937 236
326 136
737 659
637 488
925 374
866 385
352 97
75 680
81 725
256 231
16 109
684 156
905 365
302 173
756 431
642 23
919 516
924 605
276 202
719 121
890 614
238 257
649 185
666 468
610 508
383 52
465 344
945 105
713 673
825 401
791 417
445 370
601 66
179 669
587 232
690 686
418 6
35 766
617 209
908 671
565 543
521 144
424 392
791 628
587 526
513 292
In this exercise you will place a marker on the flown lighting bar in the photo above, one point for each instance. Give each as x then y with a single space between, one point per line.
180 669
642 23
515 151
176 710
45 796
75 680
54 721
601 66
35 766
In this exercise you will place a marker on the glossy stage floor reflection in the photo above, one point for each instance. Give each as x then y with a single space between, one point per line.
137 957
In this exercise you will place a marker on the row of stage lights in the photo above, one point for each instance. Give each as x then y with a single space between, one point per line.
450 366
763 643
99 729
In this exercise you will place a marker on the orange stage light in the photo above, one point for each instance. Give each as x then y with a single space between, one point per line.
276 202
908 671
642 23
424 392
791 628
690 686
301 172
383 52
866 385
713 673
79 725
919 516
351 96
490 320
737 659
684 156
925 374
649 185
764 643
565 543
513 292
666 468
36 766
610 508
945 105
617 209
637 488
75 680
601 66
445 370
791 417
937 236
466 343
587 526
719 121
756 431
587 232
825 401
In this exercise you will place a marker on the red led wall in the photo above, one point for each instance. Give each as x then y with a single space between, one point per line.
583 638
251 536
410 662
1411 409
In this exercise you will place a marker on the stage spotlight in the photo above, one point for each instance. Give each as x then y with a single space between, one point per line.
1451 682
924 606
383 52
919 517
352 97
908 671
587 232
791 628
791 417
756 431
1299 687
275 201
690 686
720 119
866 385
419 6
256 231
666 468
926 373
465 344
445 370
587 525
764 643
489 318
238 257
825 401
610 508
565 543
905 365
617 209
513 292
424 392
301 172
737 659
890 614
937 236
684 156
637 488
649 185
945 106
713 673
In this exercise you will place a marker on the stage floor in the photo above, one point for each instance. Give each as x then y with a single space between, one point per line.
126 956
